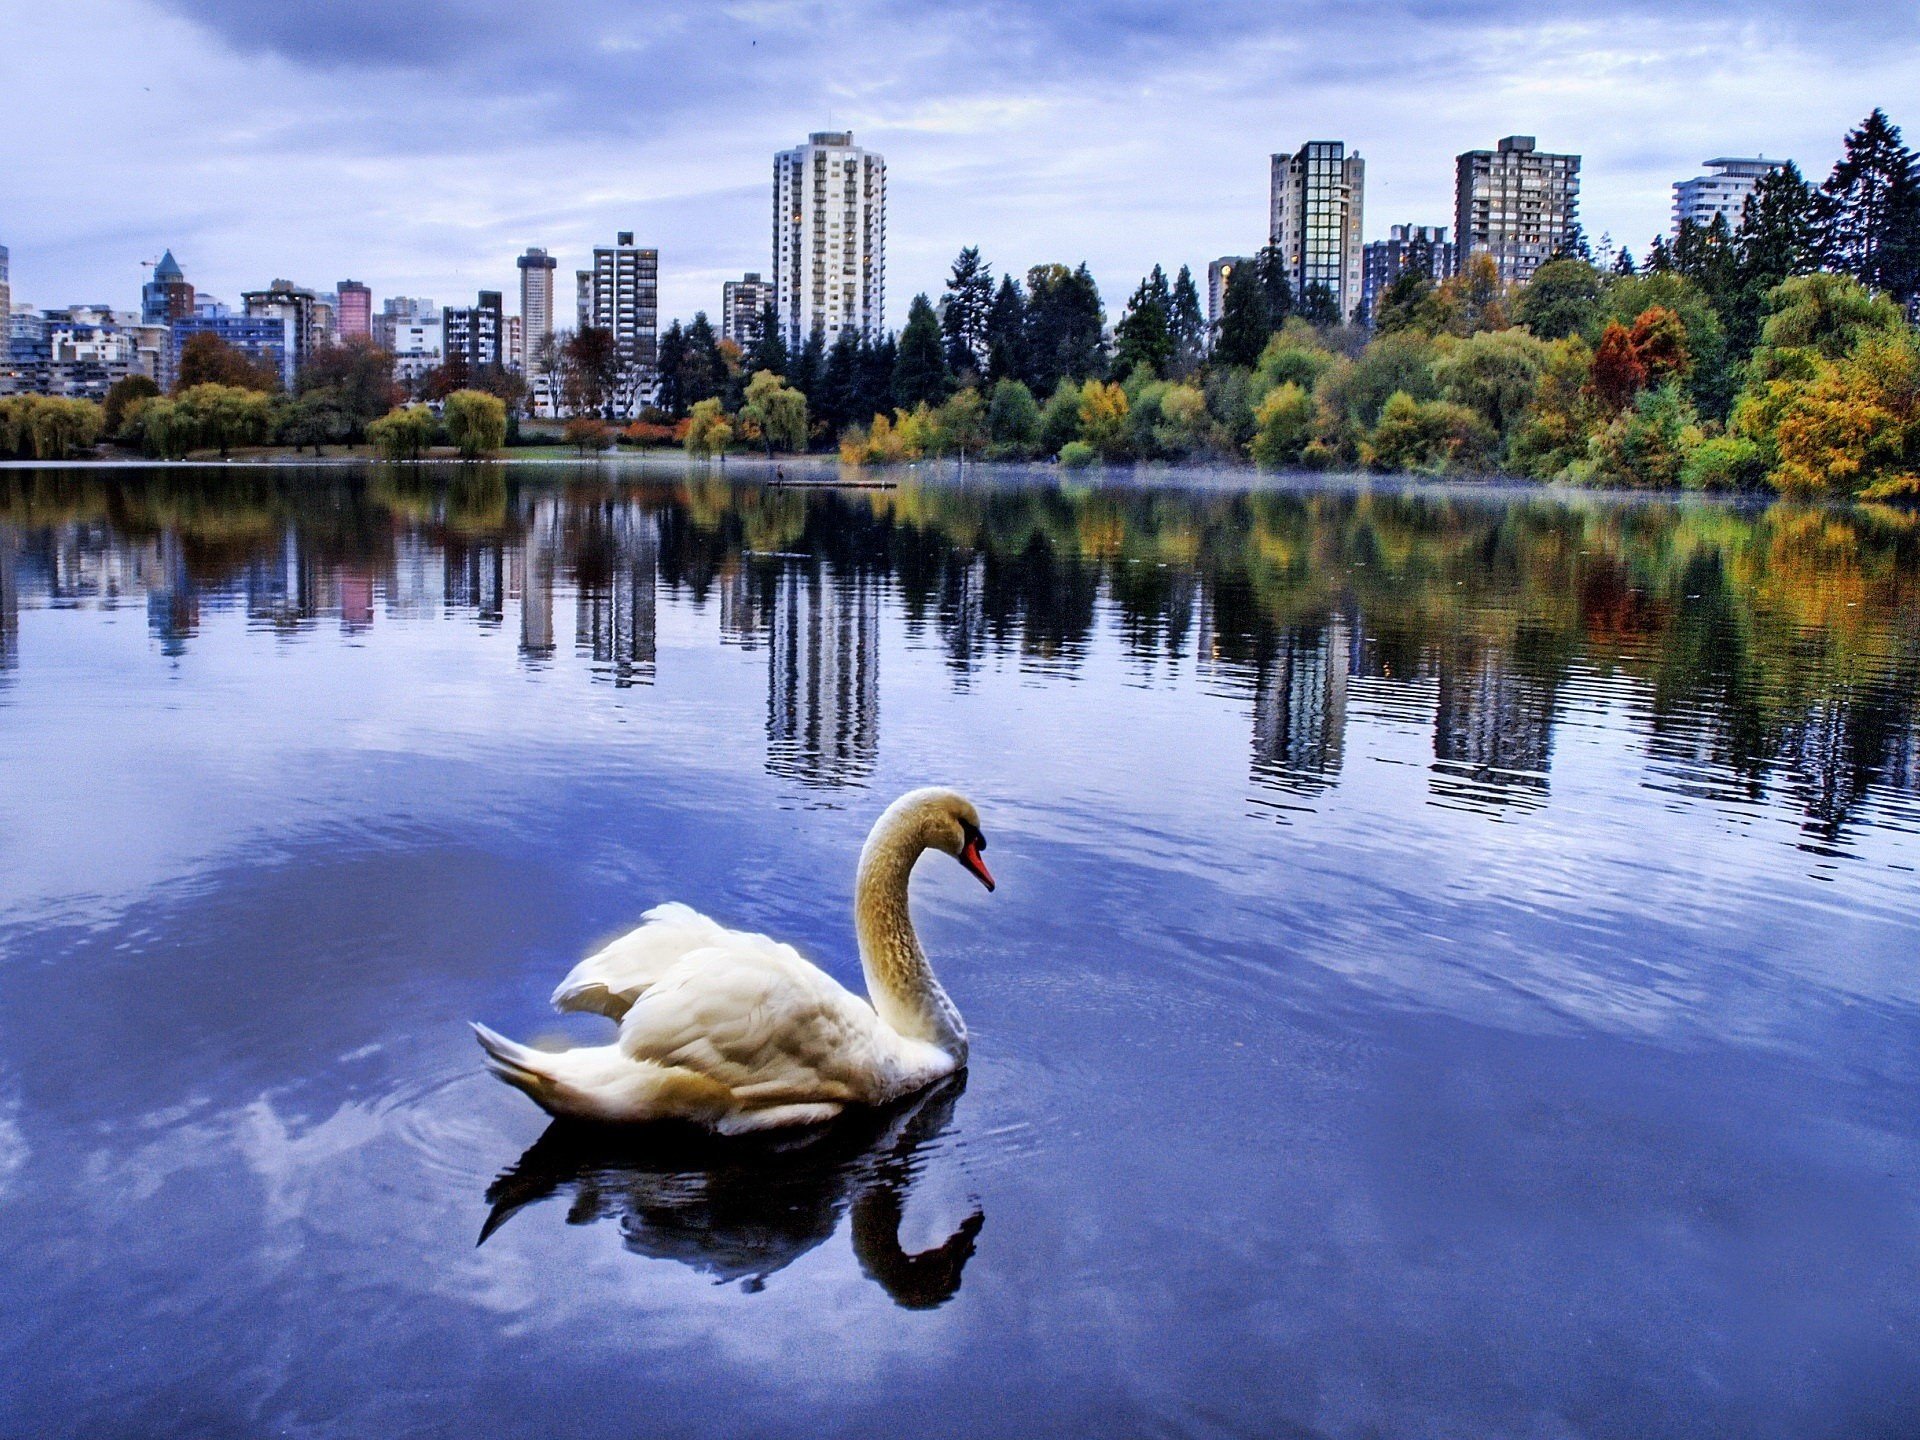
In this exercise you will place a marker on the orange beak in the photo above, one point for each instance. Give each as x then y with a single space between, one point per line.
970 857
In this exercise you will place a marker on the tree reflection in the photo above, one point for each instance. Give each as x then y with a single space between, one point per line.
1768 652
743 1209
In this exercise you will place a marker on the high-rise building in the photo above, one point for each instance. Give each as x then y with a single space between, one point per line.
416 344
397 311
167 297
304 323
1722 193
536 302
742 303
583 299
830 238
1314 220
626 300
473 335
258 337
6 301
354 318
1219 274
1407 247
514 346
1515 204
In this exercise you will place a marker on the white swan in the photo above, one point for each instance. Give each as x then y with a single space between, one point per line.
737 1032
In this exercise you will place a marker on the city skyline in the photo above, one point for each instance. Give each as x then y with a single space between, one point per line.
357 131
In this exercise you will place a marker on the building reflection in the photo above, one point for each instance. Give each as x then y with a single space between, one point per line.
1492 727
538 549
617 571
1300 707
173 599
823 674
9 602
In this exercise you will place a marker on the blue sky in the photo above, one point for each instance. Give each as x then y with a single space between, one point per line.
420 146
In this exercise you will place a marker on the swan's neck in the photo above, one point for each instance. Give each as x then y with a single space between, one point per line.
901 984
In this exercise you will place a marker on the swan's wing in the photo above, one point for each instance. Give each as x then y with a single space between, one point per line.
755 1016
610 980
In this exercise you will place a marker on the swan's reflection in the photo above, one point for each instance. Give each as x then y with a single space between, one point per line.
742 1209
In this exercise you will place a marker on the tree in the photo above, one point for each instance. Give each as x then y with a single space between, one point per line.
1618 374
699 371
1867 202
960 425
1283 423
1186 325
1270 268
404 433
226 415
1244 321
1778 238
206 359
591 370
476 422
969 304
1855 429
1474 300
1144 335
1428 435
779 412
769 350
123 398
1103 417
1065 325
1318 307
357 379
1008 355
318 418
1407 304
1013 420
1823 316
1623 262
709 432
1562 299
919 368
1495 374
587 434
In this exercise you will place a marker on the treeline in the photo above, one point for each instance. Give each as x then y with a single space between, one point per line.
1775 353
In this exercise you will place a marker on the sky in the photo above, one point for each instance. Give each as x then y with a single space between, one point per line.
420 145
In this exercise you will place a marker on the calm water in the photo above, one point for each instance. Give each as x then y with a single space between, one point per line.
1456 968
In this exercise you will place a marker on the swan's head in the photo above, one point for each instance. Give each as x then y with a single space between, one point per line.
940 820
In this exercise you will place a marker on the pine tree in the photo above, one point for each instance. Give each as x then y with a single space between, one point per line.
769 350
671 357
920 368
839 400
1270 266
700 370
1065 326
1318 307
1007 349
1862 206
1144 335
963 319
1623 263
1244 322
1187 325
1779 237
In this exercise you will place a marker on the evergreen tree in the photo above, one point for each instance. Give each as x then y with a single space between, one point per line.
1865 204
701 372
1244 322
1007 352
920 367
1270 267
1405 305
1659 256
769 350
839 402
1186 324
877 360
964 318
1144 335
671 362
1065 326
1779 237
809 365
1317 306
1623 262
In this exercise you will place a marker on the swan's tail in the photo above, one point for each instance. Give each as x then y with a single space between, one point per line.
521 1067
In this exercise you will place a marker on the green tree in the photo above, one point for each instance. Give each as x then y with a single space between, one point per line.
769 350
779 412
123 397
1397 361
224 416
919 367
1144 335
317 418
1864 205
1431 436
1562 299
1060 418
1186 325
1778 238
709 432
1318 307
1270 269
403 433
1013 421
1244 321
1495 374
960 425
963 320
1283 423
1647 445
357 375
1065 325
1009 356
1820 315
700 372
1407 304
476 422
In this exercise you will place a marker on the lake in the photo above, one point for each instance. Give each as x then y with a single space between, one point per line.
1455 970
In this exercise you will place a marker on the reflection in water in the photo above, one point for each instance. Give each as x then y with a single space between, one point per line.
823 675
745 1208
1757 654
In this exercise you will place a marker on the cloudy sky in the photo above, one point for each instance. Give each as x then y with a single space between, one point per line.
419 145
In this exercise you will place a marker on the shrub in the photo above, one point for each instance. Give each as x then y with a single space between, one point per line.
403 433
1430 436
1648 443
588 434
1077 455
1013 421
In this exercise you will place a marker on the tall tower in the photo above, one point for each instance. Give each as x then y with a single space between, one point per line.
1317 198
830 238
354 320
1515 204
536 302
167 297
626 298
